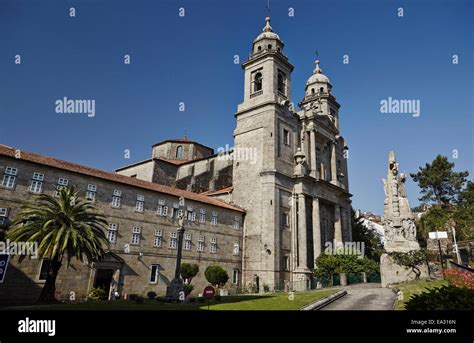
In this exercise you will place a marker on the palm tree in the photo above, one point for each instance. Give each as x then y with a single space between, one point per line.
65 226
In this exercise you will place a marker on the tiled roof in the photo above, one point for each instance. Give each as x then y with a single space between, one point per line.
182 140
219 191
77 168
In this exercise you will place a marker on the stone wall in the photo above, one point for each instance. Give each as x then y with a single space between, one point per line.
136 271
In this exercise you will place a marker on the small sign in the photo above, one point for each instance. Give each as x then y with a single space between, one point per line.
4 258
438 234
209 292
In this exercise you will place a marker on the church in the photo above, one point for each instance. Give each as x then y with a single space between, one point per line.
264 216
295 191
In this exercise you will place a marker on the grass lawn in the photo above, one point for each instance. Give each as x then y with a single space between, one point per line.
271 301
415 287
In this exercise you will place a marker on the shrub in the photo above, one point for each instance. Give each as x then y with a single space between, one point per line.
188 271
459 279
132 297
446 297
187 289
217 297
151 295
97 294
266 288
192 300
216 275
201 299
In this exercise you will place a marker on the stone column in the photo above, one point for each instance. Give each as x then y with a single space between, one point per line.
302 233
348 215
314 172
316 228
337 224
294 232
333 164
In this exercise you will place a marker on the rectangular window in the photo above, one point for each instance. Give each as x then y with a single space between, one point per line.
139 206
191 215
43 274
112 233
286 137
237 223
154 273
213 247
11 171
214 218
8 181
173 240
285 219
235 276
36 186
91 191
63 182
200 246
117 193
136 235
236 249
162 209
38 177
202 216
187 241
287 263
158 238
3 215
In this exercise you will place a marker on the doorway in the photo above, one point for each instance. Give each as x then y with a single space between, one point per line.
103 279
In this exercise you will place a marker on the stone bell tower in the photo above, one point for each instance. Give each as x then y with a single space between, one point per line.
268 128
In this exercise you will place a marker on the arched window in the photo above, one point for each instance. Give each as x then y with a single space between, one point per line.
257 85
281 83
321 90
269 46
259 48
312 90
179 152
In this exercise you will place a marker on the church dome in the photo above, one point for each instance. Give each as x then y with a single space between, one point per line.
267 32
318 76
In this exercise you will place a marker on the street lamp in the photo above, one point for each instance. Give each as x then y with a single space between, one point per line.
175 291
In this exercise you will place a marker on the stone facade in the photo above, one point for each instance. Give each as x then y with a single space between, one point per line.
292 209
131 262
287 171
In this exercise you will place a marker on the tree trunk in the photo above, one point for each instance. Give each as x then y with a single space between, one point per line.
49 288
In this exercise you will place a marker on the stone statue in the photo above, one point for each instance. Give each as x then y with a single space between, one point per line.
399 222
399 227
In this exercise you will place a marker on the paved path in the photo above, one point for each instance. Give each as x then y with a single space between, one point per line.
368 296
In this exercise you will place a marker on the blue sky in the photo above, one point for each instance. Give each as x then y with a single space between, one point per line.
190 59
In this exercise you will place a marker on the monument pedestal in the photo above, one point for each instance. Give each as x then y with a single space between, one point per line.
392 273
301 278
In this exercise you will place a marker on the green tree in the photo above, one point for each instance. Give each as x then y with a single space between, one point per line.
439 183
216 275
372 242
64 227
188 271
461 213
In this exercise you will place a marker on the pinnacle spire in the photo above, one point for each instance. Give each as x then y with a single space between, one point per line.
267 27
